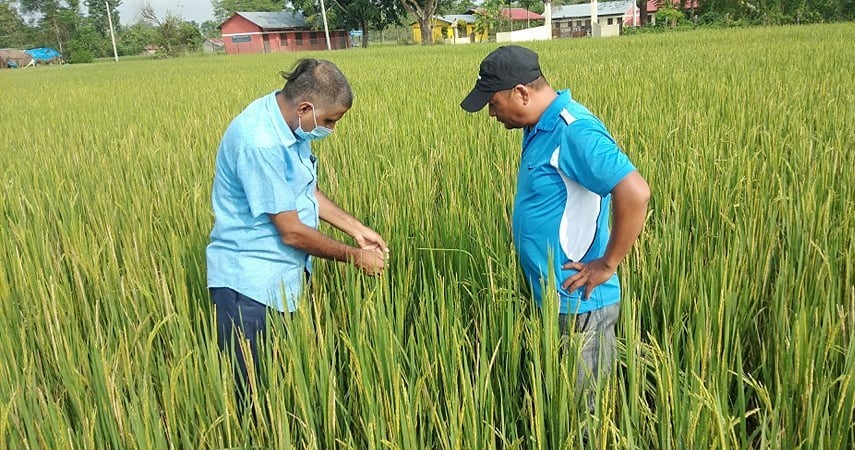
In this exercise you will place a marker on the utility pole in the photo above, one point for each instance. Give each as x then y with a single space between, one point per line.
326 28
595 24
547 15
527 21
635 16
112 34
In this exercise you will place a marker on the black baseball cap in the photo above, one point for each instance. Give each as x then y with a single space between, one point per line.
504 68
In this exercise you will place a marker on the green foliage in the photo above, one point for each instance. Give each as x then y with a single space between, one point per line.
423 11
175 36
56 22
86 44
13 31
45 7
352 14
729 13
710 18
210 29
648 29
669 17
488 17
97 13
531 5
79 53
225 8
133 39
457 6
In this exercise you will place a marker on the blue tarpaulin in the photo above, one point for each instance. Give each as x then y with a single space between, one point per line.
43 54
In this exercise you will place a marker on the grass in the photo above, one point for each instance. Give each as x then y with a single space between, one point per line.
739 300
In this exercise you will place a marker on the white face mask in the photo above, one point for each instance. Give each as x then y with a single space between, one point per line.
316 133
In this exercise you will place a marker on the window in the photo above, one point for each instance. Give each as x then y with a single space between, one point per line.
283 37
299 36
313 37
610 20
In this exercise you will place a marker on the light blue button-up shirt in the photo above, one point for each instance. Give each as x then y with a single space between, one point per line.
261 169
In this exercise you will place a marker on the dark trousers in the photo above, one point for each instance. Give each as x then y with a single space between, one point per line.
240 319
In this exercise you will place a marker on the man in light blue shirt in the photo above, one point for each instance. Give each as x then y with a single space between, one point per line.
267 206
571 171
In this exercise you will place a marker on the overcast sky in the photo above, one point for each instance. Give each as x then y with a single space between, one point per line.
196 10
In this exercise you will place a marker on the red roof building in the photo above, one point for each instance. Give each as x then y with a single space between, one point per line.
281 31
515 14
520 14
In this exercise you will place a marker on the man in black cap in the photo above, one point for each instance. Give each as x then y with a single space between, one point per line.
571 172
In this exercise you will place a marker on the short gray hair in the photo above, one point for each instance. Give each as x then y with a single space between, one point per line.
317 81
538 83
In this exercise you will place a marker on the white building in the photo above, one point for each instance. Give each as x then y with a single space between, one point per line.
575 20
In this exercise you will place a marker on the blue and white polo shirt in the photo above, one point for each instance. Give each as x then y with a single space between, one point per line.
569 166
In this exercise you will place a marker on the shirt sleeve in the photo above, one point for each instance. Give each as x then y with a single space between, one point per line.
262 173
591 157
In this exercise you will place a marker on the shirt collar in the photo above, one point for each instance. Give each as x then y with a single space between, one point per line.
278 121
551 115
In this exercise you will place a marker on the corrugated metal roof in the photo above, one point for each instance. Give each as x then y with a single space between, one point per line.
276 20
520 14
584 10
451 18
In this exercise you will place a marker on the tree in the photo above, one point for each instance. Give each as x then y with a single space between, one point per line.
13 31
377 14
423 10
488 16
531 5
134 39
460 6
58 21
210 28
352 14
669 16
85 45
642 11
172 34
97 12
43 7
223 9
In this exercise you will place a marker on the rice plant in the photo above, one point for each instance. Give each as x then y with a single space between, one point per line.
739 300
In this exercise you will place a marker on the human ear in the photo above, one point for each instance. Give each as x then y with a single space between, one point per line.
523 93
304 108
